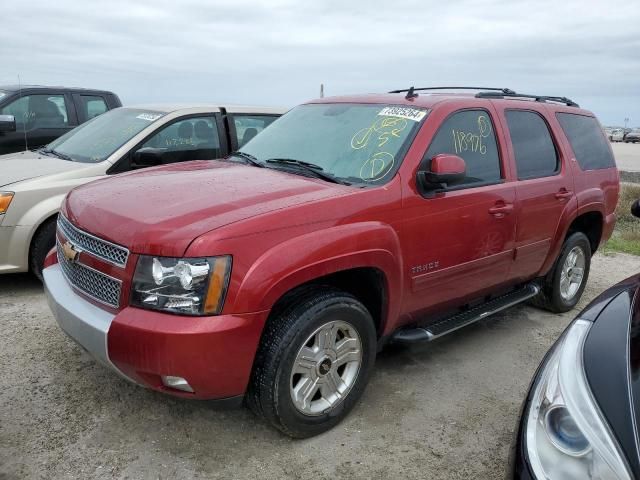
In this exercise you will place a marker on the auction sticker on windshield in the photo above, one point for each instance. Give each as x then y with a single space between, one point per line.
409 113
150 117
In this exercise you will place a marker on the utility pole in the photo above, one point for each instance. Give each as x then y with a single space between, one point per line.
626 120
322 90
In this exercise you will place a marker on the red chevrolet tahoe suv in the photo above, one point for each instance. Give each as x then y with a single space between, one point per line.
276 274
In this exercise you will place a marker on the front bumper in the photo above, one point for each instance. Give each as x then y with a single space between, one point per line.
214 354
14 248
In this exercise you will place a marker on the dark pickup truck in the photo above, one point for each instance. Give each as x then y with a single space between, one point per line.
33 116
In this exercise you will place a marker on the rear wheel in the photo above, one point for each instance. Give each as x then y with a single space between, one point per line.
43 241
562 287
313 362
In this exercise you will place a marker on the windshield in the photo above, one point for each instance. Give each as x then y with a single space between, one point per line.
358 143
2 94
94 141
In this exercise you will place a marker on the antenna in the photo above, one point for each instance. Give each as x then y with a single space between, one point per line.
24 120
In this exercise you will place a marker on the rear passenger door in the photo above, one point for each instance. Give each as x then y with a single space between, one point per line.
244 126
544 187
89 106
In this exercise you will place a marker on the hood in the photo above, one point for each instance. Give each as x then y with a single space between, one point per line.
16 167
161 210
611 356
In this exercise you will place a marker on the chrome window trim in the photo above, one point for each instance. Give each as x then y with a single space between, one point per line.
64 224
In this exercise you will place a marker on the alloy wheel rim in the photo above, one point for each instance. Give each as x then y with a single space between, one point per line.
572 273
325 368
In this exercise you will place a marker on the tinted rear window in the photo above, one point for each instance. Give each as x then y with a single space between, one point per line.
587 141
532 145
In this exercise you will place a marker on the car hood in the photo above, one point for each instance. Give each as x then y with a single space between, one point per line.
16 167
161 210
611 354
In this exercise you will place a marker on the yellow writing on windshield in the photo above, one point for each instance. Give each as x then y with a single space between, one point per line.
383 128
377 166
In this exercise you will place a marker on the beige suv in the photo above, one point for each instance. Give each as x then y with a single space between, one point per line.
33 183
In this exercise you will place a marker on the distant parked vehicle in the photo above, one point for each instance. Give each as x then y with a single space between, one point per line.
33 184
633 136
33 116
616 135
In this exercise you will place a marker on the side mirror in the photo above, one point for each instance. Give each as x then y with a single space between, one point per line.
445 169
146 157
635 208
7 123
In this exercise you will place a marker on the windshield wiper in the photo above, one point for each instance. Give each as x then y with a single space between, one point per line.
55 153
248 158
315 170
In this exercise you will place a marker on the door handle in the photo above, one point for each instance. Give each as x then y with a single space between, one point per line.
501 209
563 193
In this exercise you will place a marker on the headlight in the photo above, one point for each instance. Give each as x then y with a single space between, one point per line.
5 200
566 434
191 286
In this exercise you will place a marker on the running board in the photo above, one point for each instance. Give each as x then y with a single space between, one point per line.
462 319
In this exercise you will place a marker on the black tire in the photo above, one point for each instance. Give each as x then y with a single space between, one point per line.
43 241
269 393
550 297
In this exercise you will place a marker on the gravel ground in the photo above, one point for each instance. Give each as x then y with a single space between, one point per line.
444 410
627 156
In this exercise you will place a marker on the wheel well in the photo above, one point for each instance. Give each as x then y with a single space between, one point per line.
44 223
590 224
367 284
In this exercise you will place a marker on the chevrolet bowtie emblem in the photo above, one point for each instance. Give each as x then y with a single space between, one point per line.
70 251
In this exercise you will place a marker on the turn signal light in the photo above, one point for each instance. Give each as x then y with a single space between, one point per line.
5 200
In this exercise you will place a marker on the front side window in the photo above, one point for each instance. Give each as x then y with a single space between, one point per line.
38 111
362 144
533 147
193 138
92 106
95 140
248 126
469 134
589 145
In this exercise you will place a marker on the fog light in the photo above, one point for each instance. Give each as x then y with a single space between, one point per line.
178 383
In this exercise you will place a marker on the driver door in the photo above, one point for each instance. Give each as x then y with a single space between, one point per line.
460 241
191 138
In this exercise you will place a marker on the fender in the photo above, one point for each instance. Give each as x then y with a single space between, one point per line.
568 216
36 216
320 253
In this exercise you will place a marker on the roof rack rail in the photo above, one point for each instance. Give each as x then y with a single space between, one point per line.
411 90
537 98
491 92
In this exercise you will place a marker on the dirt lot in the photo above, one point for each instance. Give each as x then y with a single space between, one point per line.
627 156
445 410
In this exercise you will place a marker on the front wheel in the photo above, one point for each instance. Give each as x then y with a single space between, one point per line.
562 287
313 363
43 241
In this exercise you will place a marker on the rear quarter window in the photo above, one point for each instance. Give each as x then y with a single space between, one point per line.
588 143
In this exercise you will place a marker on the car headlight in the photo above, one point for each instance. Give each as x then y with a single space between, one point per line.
566 435
189 286
5 200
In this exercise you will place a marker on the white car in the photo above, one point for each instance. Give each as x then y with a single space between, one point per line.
33 183
616 135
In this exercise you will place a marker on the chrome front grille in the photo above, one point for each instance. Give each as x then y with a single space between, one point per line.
94 284
107 251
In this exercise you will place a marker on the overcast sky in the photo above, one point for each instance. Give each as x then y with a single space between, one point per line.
277 52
